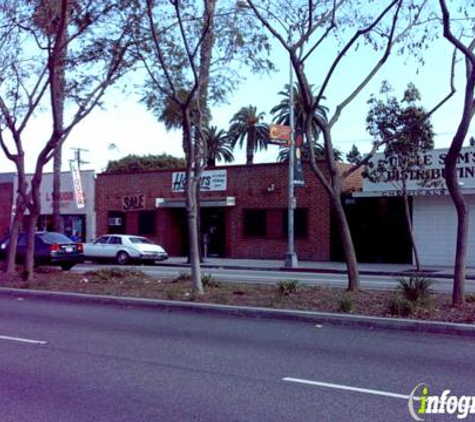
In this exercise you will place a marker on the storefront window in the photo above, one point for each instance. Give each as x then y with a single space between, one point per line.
300 223
116 223
255 223
73 226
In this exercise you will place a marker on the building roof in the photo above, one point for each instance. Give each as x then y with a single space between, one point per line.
7 177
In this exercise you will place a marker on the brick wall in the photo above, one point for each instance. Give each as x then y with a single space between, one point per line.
261 186
6 198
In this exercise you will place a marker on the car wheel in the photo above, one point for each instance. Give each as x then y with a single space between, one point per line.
122 258
66 267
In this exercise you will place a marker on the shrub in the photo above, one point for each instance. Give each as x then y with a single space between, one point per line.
346 304
401 307
287 287
208 281
415 289
471 298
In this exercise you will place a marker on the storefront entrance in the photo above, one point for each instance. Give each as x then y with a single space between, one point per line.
213 231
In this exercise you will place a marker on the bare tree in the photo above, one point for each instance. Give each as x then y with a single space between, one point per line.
175 35
304 29
96 39
464 44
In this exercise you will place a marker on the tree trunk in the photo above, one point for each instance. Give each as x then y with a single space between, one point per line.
35 209
192 215
21 201
407 213
57 100
250 145
56 195
193 175
333 187
458 293
206 53
347 243
29 264
14 232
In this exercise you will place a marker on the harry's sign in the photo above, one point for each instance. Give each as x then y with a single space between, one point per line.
211 180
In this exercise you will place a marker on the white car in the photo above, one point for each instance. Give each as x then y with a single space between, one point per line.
124 248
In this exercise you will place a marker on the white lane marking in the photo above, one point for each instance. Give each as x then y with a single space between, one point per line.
347 388
23 340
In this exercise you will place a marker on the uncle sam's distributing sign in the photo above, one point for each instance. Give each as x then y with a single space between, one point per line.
211 180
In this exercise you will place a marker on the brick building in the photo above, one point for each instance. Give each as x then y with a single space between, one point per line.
243 211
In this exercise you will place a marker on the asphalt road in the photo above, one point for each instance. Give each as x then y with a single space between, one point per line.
71 362
374 282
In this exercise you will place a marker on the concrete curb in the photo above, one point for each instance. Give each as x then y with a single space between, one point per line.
362 321
409 273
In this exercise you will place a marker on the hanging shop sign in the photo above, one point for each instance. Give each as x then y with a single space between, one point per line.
211 181
298 167
280 135
77 185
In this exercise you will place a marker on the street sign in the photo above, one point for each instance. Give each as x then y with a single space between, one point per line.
280 134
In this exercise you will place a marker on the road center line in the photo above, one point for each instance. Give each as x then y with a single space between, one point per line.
347 388
23 340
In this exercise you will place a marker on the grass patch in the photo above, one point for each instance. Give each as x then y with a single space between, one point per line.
115 274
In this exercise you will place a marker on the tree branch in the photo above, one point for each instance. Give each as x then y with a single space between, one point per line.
355 37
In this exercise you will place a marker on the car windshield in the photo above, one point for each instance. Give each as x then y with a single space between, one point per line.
140 240
49 237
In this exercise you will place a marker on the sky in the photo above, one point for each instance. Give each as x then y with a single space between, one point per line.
126 123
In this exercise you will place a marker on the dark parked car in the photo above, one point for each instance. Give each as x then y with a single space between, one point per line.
50 249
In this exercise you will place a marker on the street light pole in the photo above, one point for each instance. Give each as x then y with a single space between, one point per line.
291 256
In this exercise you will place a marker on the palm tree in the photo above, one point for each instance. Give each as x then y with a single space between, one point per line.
281 113
246 126
219 146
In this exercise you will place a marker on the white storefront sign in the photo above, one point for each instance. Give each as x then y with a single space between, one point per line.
427 176
211 181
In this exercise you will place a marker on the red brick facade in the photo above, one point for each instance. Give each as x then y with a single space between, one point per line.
257 187
6 198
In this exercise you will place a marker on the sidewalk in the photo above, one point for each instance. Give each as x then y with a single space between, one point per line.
320 267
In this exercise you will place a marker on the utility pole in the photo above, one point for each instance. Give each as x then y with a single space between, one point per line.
291 256
77 156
